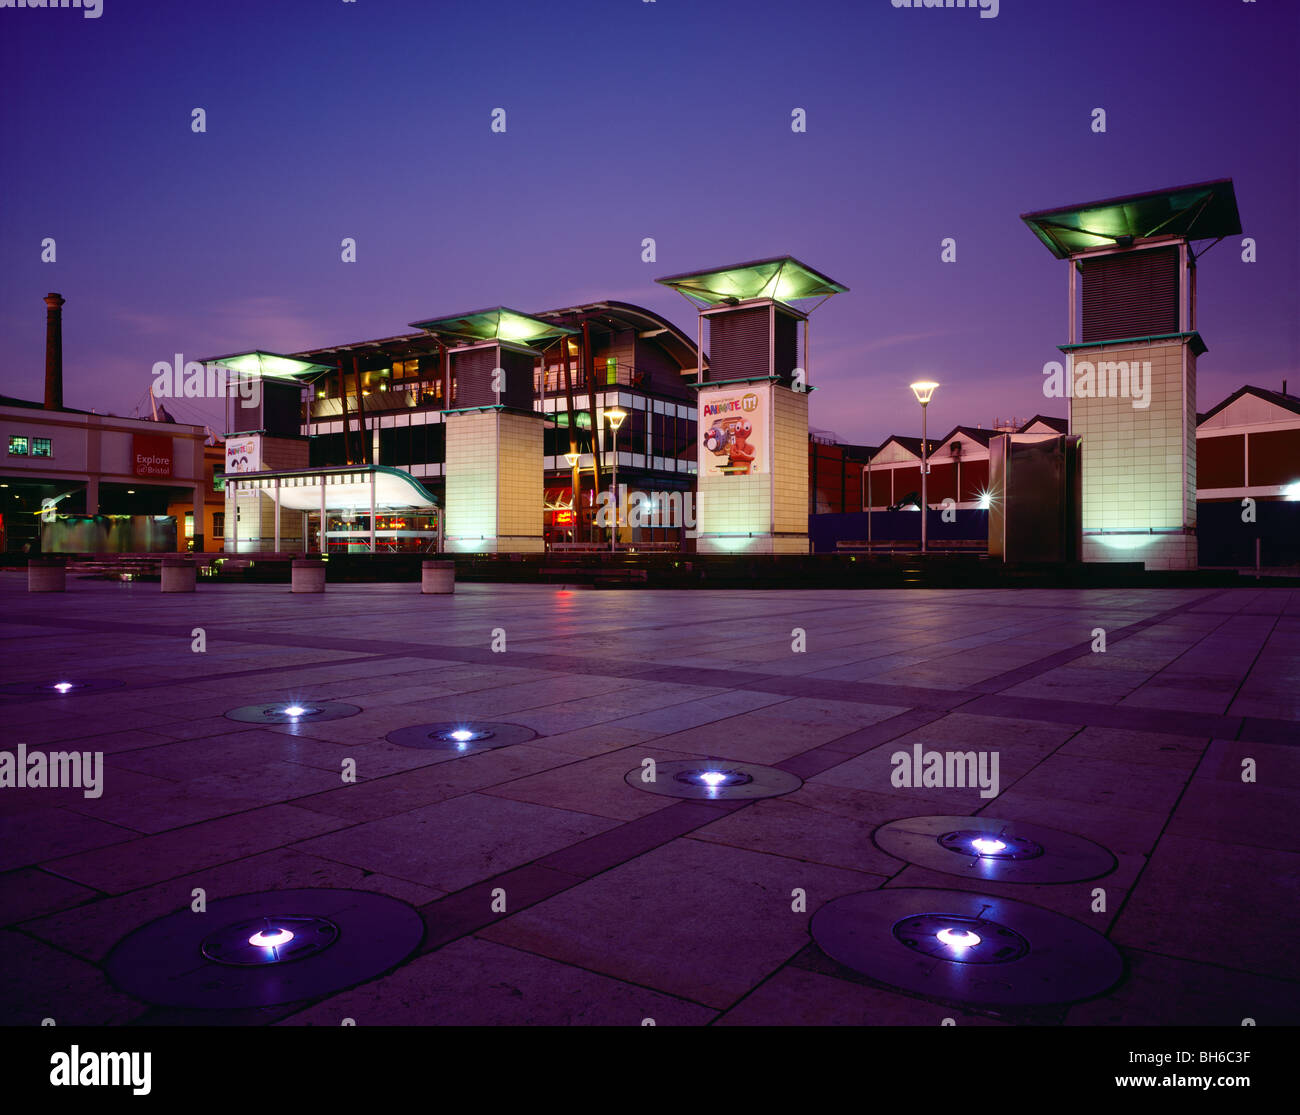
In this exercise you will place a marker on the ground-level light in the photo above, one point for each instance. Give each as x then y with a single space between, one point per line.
270 938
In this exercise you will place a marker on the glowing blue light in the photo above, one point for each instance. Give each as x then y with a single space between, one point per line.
987 846
270 938
63 686
462 736
713 778
958 939
295 710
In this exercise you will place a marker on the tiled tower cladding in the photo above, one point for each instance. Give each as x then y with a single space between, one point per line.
494 464
1134 406
762 509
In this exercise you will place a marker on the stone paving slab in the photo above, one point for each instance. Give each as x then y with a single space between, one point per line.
621 905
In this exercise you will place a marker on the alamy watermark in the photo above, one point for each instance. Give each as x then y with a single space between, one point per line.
646 509
91 9
189 379
988 9
946 770
1106 379
52 770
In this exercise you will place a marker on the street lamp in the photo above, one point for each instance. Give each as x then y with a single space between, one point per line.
614 416
573 459
923 390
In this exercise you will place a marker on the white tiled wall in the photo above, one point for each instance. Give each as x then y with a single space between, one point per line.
494 482
1135 477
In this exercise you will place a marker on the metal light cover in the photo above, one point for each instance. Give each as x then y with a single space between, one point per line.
615 417
923 389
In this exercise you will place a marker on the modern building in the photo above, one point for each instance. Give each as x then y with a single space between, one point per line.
77 481
1249 446
394 402
959 465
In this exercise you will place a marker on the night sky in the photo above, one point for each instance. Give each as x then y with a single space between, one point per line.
628 120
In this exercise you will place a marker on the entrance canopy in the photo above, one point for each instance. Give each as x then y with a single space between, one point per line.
340 489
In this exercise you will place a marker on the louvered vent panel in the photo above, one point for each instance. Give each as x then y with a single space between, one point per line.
1133 294
739 344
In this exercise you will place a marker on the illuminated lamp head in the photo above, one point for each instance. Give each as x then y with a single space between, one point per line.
295 711
958 938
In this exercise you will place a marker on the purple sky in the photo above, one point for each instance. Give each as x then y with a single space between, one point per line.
627 120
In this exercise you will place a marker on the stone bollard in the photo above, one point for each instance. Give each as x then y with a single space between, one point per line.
178 574
308 575
438 577
46 575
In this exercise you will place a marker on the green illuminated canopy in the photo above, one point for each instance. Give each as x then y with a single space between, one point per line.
271 365
496 324
783 278
1204 211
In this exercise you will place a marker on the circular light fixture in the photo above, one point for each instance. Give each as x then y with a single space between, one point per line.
987 846
990 846
713 778
952 937
259 941
63 686
461 737
270 938
293 714
958 938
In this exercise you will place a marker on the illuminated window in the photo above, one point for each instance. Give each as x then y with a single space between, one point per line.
17 446
42 447
189 524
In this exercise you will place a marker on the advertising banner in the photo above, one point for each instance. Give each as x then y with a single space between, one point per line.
733 433
151 455
243 454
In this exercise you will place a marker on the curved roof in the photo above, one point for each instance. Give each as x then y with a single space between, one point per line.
621 316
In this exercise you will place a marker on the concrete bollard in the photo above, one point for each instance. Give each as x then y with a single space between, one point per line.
46 575
308 575
438 577
178 574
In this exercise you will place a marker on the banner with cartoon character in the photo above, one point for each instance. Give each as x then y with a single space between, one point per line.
243 454
733 433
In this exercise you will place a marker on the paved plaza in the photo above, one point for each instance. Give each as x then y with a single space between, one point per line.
1175 748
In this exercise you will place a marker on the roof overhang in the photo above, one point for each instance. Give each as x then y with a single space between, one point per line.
267 365
500 323
782 278
1202 211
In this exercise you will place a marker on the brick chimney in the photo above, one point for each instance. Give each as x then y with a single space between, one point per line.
54 351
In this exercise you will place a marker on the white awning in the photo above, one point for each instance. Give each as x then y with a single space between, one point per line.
344 488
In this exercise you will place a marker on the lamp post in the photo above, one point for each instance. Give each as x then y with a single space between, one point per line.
573 459
614 416
924 391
